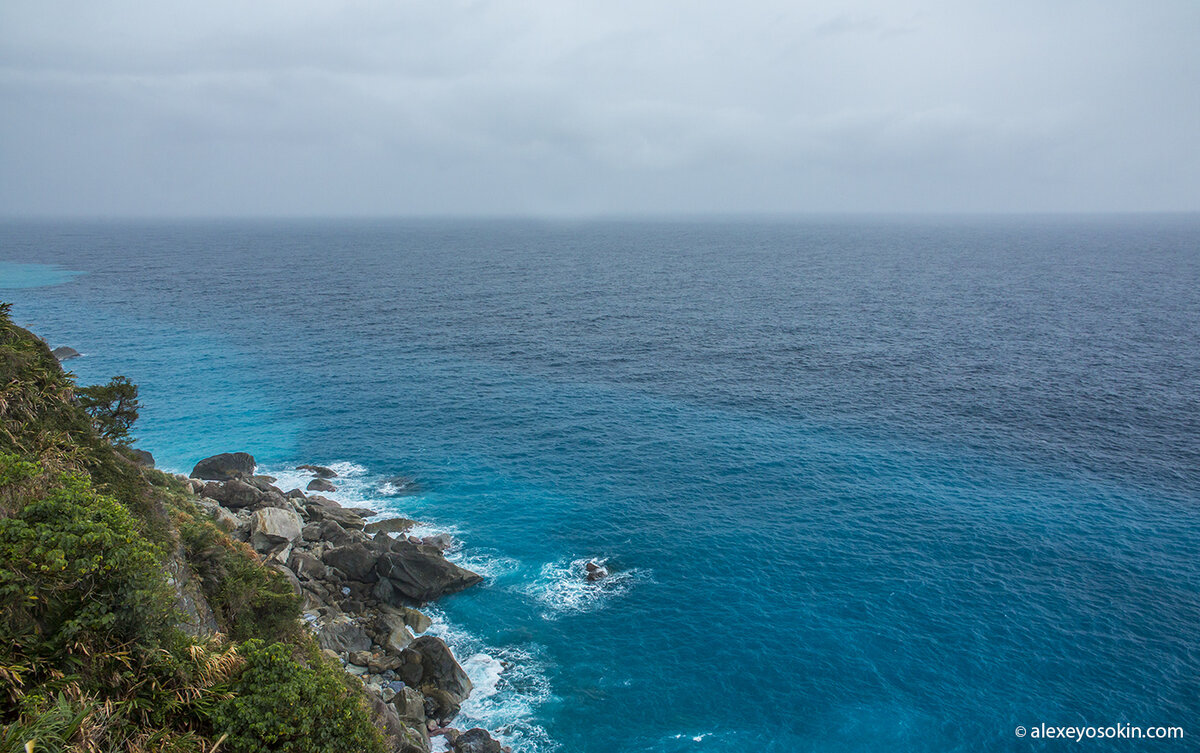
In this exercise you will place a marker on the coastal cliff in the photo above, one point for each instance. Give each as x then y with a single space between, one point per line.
147 611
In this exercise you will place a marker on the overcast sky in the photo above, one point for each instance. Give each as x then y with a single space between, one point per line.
566 107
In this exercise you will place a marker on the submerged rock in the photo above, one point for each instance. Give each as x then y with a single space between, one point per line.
226 466
403 485
595 572
63 353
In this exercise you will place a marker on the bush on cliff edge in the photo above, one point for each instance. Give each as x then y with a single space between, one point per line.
91 656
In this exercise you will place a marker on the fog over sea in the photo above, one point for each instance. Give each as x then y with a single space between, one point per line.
864 484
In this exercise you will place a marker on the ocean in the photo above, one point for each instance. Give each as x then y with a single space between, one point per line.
864 484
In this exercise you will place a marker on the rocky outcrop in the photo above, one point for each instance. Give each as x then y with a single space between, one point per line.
358 590
226 466
417 572
63 353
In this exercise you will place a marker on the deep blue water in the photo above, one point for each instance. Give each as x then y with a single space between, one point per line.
867 484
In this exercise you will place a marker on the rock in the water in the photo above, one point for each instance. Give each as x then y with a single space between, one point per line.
439 669
595 572
227 465
442 541
141 457
418 572
272 529
320 485
416 620
476 740
343 635
63 353
356 561
391 525
440 705
319 470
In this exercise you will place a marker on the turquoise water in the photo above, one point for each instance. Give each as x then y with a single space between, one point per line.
869 485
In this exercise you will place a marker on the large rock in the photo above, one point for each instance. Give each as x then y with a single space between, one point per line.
439 669
418 573
320 485
225 466
63 353
234 493
476 740
306 566
343 517
342 635
273 529
356 561
391 525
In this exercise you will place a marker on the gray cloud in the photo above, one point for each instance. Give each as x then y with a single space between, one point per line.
593 107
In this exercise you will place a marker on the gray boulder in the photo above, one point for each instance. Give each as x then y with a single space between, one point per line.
63 353
418 573
233 494
306 566
273 529
225 466
391 525
342 635
320 485
476 740
439 668
356 561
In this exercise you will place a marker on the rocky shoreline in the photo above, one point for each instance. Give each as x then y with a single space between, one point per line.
362 584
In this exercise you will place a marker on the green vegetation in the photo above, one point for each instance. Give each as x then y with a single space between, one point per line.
92 657
113 406
295 703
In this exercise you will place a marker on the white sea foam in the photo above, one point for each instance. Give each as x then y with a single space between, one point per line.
509 685
562 587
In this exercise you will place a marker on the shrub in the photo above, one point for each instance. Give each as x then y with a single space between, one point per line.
290 700
76 574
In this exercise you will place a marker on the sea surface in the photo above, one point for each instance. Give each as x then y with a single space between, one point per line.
864 484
